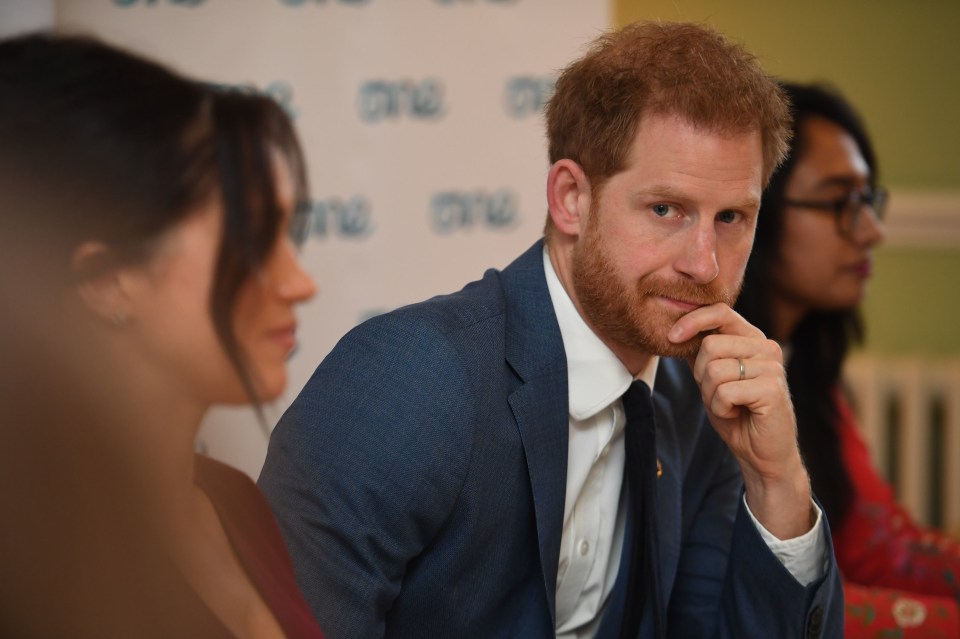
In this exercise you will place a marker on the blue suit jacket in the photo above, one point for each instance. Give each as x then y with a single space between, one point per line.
419 479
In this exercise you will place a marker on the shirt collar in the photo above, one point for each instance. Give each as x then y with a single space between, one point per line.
595 375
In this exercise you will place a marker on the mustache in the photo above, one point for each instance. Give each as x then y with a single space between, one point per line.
690 292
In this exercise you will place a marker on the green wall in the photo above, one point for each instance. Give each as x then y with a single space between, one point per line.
899 62
913 304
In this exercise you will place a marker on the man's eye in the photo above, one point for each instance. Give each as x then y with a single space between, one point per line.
728 217
663 210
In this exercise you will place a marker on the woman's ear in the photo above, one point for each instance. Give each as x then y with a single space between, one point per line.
99 283
568 195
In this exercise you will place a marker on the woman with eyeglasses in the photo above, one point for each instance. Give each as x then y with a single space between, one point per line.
148 271
821 217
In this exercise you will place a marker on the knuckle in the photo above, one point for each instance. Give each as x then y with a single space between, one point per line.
723 393
708 344
712 369
774 350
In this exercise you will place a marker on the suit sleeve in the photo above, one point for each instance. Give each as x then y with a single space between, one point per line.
366 465
761 598
729 583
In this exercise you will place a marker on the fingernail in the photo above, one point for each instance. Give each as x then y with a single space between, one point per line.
674 333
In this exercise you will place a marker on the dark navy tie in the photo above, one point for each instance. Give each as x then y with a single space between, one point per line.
643 589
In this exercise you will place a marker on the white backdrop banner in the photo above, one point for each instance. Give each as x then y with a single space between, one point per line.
423 130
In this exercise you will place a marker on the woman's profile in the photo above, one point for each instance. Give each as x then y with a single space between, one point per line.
821 218
149 238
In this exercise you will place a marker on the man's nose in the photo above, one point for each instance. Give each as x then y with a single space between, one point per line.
698 257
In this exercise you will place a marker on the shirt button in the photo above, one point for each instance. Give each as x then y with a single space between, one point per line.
584 546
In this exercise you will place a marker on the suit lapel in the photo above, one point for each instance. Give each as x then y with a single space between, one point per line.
534 350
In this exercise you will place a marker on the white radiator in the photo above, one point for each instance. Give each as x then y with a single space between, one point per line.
909 412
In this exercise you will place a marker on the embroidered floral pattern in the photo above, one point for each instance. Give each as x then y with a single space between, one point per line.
882 613
909 613
912 572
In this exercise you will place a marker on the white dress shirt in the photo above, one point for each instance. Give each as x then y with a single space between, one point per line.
593 515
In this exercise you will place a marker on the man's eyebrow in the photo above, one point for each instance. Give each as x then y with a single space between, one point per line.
666 192
751 203
670 193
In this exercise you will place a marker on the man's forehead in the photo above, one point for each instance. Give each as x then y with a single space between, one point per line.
660 136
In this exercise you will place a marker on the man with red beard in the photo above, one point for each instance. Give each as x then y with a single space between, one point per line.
493 463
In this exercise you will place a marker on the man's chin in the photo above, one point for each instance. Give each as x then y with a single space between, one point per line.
683 350
659 345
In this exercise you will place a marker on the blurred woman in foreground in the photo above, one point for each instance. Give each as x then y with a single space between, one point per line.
820 220
149 271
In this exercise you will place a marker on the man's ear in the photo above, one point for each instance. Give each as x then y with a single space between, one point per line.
99 283
568 195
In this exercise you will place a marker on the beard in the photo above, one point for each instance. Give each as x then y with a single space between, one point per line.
630 315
